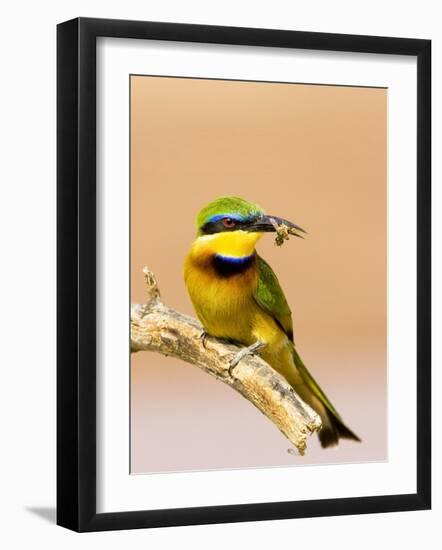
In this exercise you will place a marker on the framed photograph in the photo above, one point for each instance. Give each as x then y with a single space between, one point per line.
243 274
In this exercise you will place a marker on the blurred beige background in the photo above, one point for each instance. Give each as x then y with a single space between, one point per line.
315 155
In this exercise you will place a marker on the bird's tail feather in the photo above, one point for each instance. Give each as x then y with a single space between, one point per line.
333 428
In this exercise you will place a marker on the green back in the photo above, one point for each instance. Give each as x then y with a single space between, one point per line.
270 297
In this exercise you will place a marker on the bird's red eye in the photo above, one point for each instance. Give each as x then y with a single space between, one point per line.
229 222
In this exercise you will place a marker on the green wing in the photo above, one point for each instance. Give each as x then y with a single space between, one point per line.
270 297
312 384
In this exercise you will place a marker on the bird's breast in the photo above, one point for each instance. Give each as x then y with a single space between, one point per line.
222 290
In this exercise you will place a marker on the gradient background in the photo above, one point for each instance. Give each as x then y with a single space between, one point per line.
315 155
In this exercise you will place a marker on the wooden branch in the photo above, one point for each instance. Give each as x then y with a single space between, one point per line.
157 327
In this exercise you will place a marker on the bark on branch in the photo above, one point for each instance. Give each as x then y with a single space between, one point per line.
157 327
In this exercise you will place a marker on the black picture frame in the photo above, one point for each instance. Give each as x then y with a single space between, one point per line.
76 273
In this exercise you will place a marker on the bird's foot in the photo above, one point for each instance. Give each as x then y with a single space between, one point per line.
204 335
244 352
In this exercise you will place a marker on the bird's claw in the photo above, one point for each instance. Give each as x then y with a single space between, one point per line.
204 335
244 352
237 358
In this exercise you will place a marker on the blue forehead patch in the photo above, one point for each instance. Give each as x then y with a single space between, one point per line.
236 217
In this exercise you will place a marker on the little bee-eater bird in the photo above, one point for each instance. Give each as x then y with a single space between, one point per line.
237 297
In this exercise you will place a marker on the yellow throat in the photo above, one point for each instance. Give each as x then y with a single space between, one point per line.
234 244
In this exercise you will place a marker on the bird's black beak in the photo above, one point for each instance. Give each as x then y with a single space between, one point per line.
267 224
